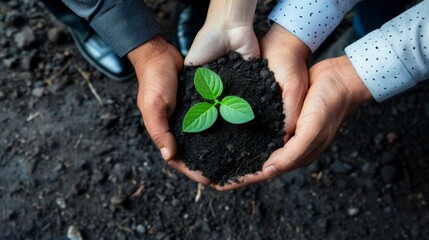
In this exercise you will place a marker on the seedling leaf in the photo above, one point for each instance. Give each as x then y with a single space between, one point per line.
236 110
199 117
208 83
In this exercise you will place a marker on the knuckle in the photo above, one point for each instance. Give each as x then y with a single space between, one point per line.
156 136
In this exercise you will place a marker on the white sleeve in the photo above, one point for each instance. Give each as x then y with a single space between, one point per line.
395 57
311 20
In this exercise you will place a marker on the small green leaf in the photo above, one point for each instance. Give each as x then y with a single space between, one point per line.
199 117
236 110
208 83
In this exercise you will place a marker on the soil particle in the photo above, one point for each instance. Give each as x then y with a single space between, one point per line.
341 167
73 233
57 35
388 173
387 157
25 38
14 19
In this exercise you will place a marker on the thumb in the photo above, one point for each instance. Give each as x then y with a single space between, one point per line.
297 152
161 136
155 118
206 47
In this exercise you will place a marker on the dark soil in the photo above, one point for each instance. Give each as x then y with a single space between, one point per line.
69 162
227 151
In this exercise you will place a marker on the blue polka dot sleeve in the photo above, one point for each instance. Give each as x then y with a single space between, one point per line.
395 57
311 20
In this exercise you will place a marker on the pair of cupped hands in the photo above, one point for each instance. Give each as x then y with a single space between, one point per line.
315 100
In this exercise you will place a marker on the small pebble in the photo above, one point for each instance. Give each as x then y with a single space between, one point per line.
233 56
38 92
73 233
141 229
221 60
2 95
117 200
275 87
56 35
271 146
264 73
352 211
341 167
61 202
25 38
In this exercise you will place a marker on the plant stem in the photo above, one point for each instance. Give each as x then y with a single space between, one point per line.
216 102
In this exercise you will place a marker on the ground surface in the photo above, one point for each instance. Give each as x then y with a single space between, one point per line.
68 160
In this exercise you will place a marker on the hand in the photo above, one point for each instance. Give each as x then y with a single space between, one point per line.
287 58
228 28
157 64
335 91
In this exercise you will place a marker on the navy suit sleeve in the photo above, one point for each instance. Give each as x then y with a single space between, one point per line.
123 24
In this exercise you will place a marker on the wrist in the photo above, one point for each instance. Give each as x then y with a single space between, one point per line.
351 81
280 36
231 13
152 48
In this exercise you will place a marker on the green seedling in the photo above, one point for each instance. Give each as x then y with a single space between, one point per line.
203 115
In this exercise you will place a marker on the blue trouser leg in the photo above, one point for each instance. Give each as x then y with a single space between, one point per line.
372 14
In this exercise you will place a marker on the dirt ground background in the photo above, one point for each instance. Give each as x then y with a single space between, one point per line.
72 158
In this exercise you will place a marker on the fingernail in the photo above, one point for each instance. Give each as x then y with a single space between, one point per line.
165 153
271 171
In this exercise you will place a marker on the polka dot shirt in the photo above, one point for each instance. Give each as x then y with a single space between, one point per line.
395 57
311 20
389 60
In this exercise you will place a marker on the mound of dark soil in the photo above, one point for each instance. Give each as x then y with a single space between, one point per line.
226 151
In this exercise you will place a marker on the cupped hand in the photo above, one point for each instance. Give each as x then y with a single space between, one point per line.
157 64
335 91
228 27
287 56
212 43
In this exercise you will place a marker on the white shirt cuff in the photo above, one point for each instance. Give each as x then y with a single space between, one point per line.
379 66
310 20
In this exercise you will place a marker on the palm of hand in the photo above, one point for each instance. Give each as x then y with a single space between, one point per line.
210 44
335 90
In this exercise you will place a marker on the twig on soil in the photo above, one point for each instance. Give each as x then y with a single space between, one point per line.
236 171
211 208
33 164
199 189
169 174
59 72
124 228
319 175
85 76
33 116
78 141
289 227
46 226
138 192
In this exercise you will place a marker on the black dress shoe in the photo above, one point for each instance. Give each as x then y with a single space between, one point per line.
101 56
190 21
